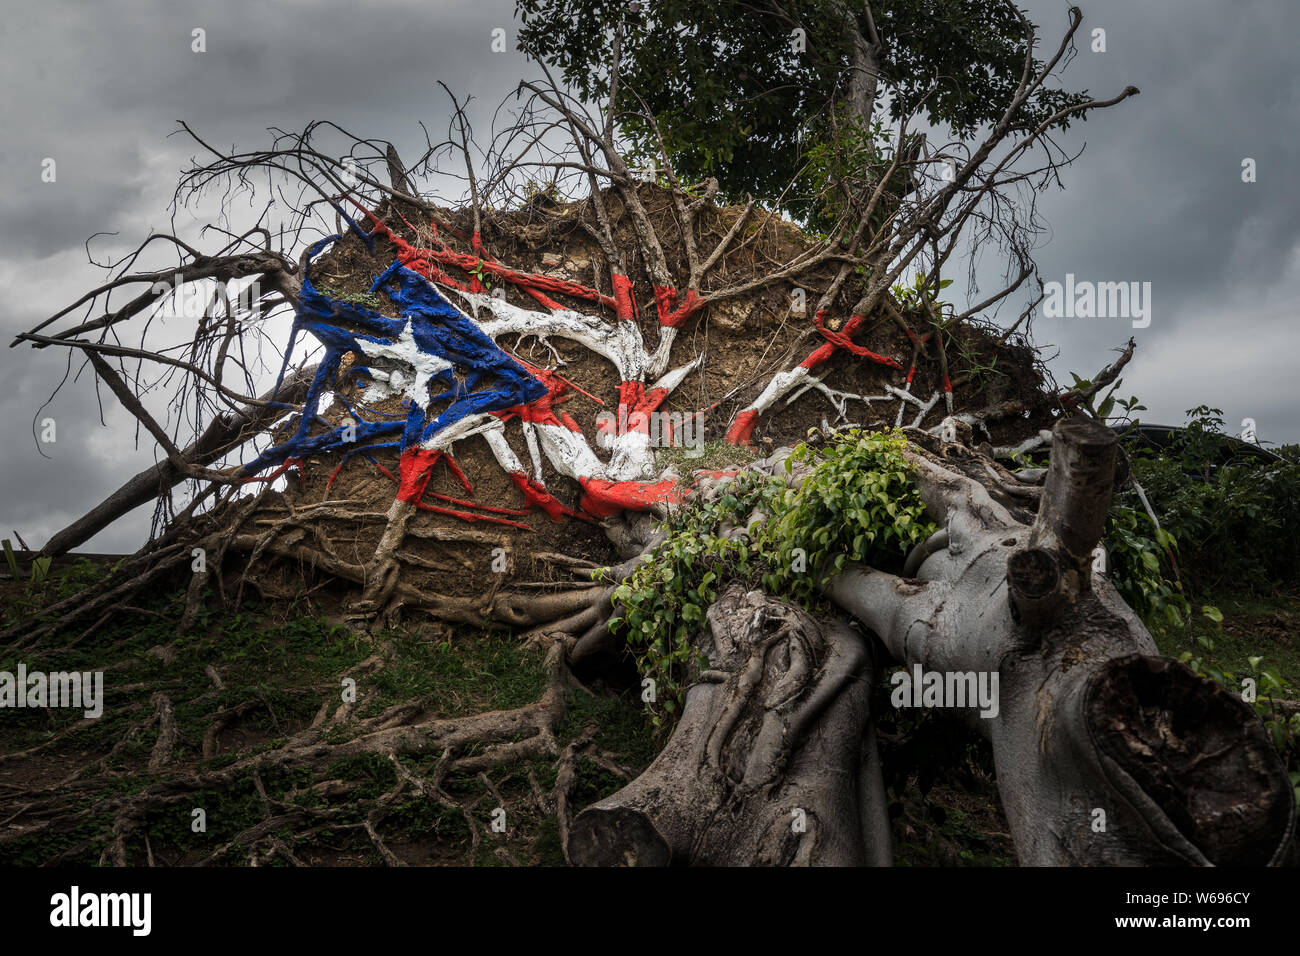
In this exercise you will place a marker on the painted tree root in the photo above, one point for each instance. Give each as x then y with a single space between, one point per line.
773 762
1105 752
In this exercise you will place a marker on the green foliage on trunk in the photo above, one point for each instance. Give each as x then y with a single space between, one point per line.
857 504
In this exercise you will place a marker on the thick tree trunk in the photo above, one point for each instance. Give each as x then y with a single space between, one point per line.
864 62
773 762
1105 752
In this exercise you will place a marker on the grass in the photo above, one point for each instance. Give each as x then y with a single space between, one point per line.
292 660
1253 625
711 456
622 726
468 672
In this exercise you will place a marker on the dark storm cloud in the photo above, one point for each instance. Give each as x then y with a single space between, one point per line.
99 88
1156 197
49 485
1161 180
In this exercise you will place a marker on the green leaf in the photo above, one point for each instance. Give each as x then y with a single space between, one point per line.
1213 613
40 569
10 558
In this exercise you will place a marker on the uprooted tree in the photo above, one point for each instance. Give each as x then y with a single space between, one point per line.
469 417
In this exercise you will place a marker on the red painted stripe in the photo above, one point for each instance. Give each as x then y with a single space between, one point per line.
631 394
665 299
604 498
554 381
288 463
843 339
635 405
464 503
537 495
460 475
421 261
542 411
416 467
471 518
624 300
671 312
545 300
819 355
742 427
654 397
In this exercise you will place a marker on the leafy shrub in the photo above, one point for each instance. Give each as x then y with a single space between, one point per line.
858 503
1283 731
1238 523
665 598
1136 547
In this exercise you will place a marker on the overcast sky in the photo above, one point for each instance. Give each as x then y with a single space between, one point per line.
1156 197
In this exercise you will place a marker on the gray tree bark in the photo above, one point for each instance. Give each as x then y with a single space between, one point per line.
773 762
1105 752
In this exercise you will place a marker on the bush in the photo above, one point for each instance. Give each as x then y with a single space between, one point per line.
1136 548
1237 525
858 503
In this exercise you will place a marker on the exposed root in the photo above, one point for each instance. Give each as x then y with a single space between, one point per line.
471 745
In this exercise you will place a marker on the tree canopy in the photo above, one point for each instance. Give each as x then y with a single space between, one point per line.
752 93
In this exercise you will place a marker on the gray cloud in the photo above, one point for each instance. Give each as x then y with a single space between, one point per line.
1157 195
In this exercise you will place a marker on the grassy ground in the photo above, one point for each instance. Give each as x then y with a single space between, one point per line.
1266 626
708 456
282 668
